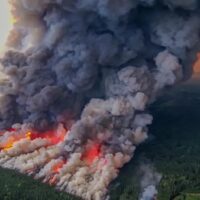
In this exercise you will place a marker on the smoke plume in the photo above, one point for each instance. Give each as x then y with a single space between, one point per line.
149 181
80 75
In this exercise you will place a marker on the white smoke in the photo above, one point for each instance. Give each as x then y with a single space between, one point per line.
149 193
150 179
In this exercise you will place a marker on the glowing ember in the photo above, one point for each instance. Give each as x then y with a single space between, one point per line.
6 22
13 139
196 67
58 166
54 137
28 135
9 143
92 152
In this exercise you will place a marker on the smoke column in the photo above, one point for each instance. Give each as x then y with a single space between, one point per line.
78 78
149 180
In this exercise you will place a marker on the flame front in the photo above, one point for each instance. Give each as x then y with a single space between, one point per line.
92 152
196 67
11 140
52 137
58 166
6 23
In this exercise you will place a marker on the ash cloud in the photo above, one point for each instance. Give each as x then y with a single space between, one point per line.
61 49
93 66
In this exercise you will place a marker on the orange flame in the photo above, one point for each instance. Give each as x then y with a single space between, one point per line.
13 139
55 169
9 143
196 67
92 152
52 136
58 166
28 135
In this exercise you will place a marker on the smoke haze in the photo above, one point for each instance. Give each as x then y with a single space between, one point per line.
80 76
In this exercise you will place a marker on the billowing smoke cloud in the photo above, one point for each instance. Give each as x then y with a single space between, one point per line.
81 74
149 181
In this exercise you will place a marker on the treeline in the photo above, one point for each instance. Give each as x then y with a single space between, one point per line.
15 186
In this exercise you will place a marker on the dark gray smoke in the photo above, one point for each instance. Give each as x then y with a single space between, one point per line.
94 66
62 50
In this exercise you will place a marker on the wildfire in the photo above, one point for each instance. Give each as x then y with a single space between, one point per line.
58 166
9 144
92 152
196 67
6 22
54 137
28 135
55 169
12 139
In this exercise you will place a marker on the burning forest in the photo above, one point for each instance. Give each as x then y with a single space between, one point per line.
77 77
